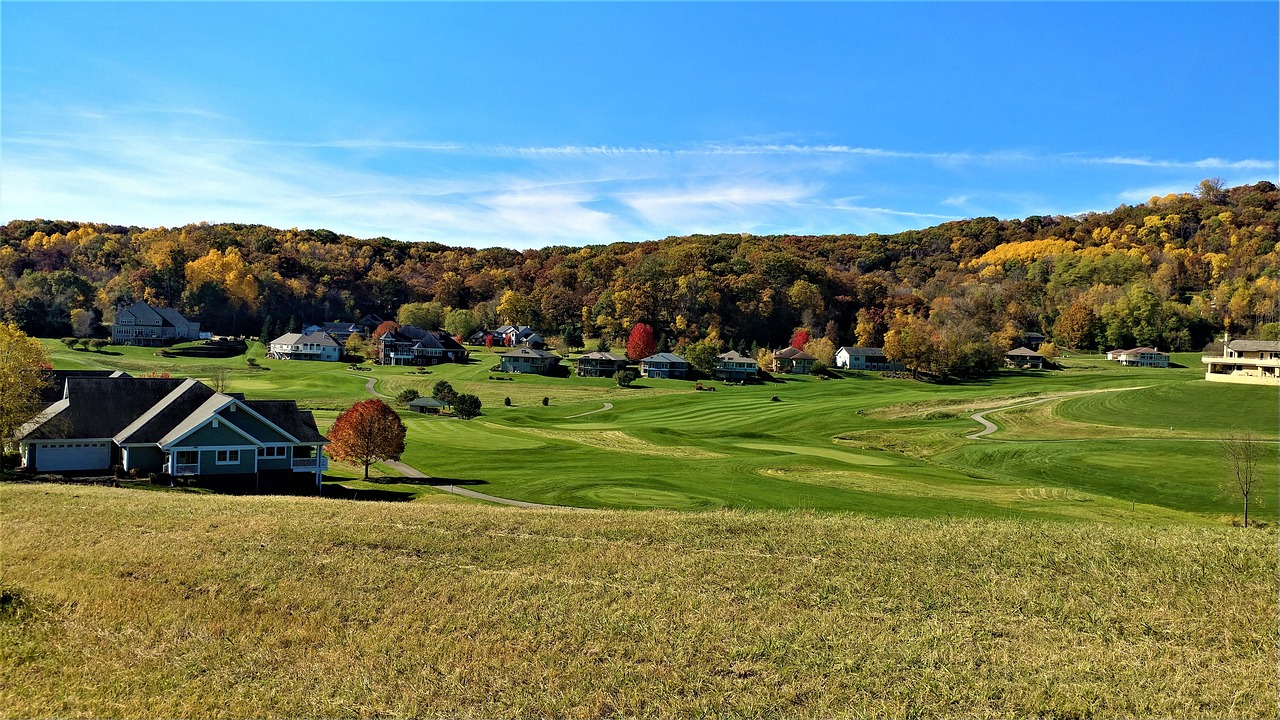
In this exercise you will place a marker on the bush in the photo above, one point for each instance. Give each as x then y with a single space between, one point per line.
546 401
466 406
506 401
624 378
253 362
70 342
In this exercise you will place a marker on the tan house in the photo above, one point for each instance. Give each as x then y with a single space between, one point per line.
1251 362
794 361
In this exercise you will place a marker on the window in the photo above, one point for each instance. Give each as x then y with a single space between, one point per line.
228 457
272 452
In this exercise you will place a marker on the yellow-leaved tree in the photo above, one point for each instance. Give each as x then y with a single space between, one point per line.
23 364
228 270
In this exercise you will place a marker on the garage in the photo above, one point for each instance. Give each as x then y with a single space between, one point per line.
69 456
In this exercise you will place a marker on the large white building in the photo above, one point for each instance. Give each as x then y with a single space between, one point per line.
1252 362
296 346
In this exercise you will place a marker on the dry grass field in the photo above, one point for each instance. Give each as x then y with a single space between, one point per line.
126 603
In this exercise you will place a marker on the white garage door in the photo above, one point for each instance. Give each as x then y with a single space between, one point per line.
63 456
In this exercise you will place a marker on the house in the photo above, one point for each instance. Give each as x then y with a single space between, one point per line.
1032 340
600 364
1024 358
340 331
175 426
1252 362
1140 357
515 335
314 346
529 360
412 345
793 361
370 323
664 365
734 366
141 324
866 358
426 405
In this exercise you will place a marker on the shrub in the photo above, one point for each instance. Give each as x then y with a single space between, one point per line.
546 401
506 401
407 396
466 406
624 378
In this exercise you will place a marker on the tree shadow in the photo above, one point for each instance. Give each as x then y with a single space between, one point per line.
429 482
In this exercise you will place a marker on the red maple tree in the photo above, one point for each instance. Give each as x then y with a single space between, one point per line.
799 339
641 343
367 432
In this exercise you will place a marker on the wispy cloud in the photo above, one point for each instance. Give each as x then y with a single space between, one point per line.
182 164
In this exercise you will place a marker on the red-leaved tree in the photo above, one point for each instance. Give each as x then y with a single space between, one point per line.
386 327
641 343
367 432
488 340
800 337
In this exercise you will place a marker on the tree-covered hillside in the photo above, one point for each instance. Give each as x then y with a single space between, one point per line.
1167 273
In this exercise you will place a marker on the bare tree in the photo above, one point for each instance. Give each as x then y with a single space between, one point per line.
220 381
1242 450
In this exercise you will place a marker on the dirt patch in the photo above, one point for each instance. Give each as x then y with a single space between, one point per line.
618 441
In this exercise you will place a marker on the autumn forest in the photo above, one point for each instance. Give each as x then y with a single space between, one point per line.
1169 273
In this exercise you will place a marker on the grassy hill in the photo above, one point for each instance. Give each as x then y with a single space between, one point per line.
123 603
1107 442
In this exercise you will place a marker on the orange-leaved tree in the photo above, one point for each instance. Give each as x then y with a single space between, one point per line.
367 432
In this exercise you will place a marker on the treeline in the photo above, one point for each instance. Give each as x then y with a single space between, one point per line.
1168 273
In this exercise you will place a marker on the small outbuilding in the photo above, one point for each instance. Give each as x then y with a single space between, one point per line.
426 405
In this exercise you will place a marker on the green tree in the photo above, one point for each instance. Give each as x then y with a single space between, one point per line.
444 392
466 406
624 378
460 323
428 315
702 355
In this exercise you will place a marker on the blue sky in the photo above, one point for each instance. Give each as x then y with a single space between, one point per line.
524 125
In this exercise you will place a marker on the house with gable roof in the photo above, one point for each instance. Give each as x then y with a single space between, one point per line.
318 345
412 345
175 426
1249 362
793 361
525 359
664 365
141 324
600 364
866 358
734 366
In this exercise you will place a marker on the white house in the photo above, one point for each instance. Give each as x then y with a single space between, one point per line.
296 346
865 358
1140 357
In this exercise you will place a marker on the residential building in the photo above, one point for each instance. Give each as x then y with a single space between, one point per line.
1140 357
516 335
664 365
412 345
314 346
793 361
1032 340
734 366
1251 362
529 360
142 324
866 358
180 427
600 364
340 331
1024 358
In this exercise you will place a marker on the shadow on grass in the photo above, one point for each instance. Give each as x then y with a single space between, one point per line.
430 482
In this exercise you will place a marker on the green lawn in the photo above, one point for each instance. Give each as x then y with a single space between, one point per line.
863 443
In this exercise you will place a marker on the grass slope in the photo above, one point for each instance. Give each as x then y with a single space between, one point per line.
862 443
124 603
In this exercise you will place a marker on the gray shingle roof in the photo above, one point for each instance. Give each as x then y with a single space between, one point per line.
600 355
151 425
856 350
1023 352
526 352
285 415
87 415
666 358
1255 345
791 353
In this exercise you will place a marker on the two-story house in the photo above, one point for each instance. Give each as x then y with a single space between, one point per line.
412 345
1251 362
314 346
793 361
735 366
142 324
529 360
599 364
1140 357
664 365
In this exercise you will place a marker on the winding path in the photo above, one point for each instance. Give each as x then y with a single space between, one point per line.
369 386
989 427
607 406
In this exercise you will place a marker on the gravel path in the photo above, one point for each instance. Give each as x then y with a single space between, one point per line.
607 406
